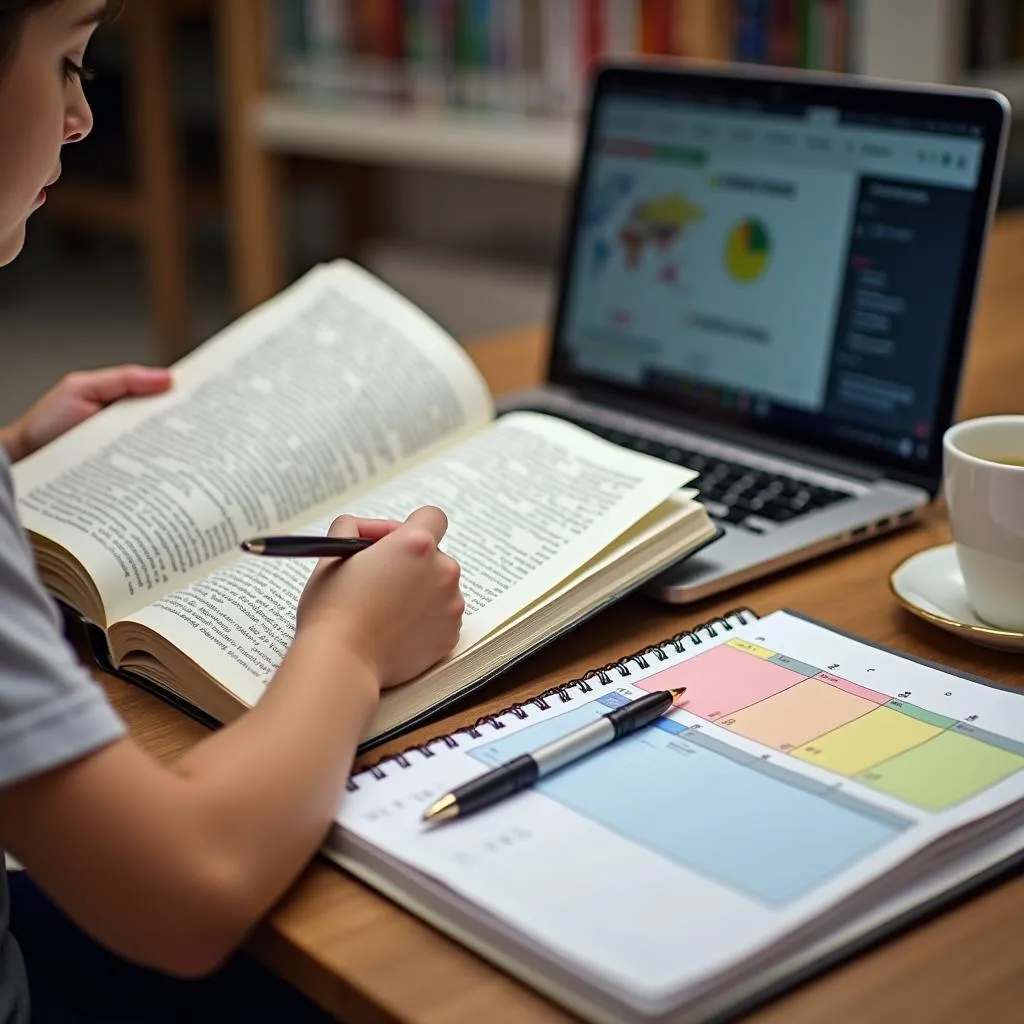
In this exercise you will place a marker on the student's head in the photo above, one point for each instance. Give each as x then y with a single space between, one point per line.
42 107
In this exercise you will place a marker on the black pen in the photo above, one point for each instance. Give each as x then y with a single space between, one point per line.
523 771
305 547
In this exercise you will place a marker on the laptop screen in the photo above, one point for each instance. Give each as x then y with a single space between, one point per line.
796 262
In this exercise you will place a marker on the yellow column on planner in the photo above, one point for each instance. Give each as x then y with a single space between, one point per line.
867 741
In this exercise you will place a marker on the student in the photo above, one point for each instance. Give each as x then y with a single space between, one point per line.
167 867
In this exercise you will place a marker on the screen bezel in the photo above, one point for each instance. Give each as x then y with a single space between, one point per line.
988 110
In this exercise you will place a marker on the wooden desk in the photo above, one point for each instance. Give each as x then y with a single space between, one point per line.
369 961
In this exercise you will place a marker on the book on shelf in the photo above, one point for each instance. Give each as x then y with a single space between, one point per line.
532 56
339 395
809 794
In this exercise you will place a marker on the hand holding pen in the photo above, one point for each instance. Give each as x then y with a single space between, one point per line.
397 607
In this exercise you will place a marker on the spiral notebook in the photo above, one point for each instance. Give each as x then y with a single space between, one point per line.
809 793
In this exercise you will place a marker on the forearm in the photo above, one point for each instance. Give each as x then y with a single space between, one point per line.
270 783
172 867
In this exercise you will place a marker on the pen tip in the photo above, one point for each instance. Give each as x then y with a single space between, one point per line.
677 692
254 547
442 809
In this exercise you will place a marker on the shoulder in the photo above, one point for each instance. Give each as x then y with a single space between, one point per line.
17 565
51 710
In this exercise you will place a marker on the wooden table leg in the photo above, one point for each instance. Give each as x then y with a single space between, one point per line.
252 175
155 129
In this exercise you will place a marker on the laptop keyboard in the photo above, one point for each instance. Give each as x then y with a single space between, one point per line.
731 491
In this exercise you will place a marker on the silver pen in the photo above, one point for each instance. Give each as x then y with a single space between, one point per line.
523 771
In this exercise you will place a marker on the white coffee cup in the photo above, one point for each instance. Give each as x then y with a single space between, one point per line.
985 501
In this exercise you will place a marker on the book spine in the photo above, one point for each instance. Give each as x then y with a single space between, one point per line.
559 47
840 35
656 34
471 34
479 65
593 34
704 29
288 26
507 32
682 40
424 53
808 33
364 73
326 26
390 50
447 13
621 20
534 81
784 34
751 30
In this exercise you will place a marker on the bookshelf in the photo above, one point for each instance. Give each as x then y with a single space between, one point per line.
368 83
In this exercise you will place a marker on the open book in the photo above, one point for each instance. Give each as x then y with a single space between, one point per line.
809 793
336 396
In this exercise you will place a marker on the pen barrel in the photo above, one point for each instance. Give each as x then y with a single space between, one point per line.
306 547
519 773
639 713
583 741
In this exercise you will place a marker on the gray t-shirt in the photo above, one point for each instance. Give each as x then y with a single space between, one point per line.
51 710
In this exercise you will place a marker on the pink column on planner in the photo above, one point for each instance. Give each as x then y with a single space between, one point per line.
722 681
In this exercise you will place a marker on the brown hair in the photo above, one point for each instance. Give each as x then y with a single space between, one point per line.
14 12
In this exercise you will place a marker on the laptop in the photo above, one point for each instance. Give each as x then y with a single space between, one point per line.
769 277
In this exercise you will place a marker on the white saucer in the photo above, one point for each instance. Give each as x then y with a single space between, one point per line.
930 585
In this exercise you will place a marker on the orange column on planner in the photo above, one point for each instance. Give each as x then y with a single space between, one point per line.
800 713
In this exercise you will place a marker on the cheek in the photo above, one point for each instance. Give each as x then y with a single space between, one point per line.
32 128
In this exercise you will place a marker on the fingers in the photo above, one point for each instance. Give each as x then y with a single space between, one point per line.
344 526
106 386
376 529
371 529
147 380
430 519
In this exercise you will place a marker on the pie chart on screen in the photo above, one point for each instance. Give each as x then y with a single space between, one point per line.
748 250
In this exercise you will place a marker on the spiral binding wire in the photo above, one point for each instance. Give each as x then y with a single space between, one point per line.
585 684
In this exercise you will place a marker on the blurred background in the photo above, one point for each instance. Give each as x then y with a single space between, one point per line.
238 142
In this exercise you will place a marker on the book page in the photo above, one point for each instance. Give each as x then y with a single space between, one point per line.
799 768
336 382
530 501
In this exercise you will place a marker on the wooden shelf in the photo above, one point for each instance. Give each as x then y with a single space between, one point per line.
507 146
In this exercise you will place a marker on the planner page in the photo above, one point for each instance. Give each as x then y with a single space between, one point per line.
798 766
